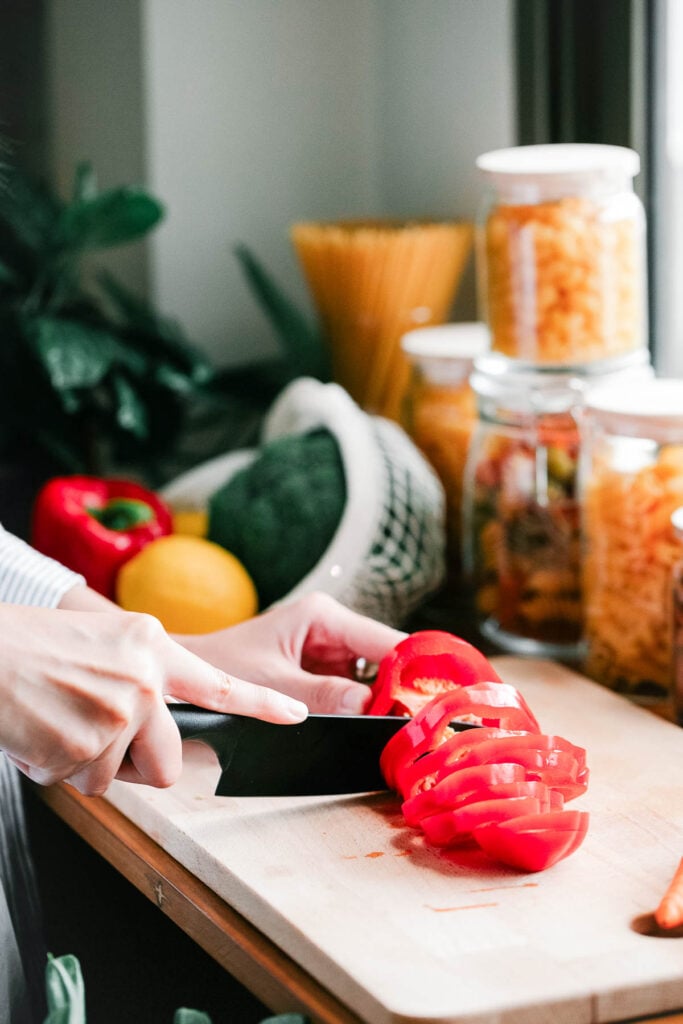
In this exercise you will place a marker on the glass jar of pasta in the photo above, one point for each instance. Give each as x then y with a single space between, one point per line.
561 253
631 482
521 508
440 410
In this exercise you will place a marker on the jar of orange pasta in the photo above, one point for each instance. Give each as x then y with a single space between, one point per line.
521 506
631 483
561 253
440 410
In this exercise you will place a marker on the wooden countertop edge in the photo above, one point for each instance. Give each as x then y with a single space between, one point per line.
220 931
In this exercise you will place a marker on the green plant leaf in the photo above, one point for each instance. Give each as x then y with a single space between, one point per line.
303 344
64 990
113 217
73 354
161 336
85 182
131 414
8 276
185 1016
29 211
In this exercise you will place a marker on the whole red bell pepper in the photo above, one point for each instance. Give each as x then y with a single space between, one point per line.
93 526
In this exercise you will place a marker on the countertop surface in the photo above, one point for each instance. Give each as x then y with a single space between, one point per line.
399 931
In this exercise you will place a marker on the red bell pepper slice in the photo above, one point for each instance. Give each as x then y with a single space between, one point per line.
473 784
533 842
493 704
422 666
481 746
93 526
451 827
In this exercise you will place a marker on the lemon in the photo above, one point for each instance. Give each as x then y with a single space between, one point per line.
190 584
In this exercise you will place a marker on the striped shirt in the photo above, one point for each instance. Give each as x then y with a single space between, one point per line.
27 577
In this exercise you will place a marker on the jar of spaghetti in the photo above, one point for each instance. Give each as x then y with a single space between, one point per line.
631 483
440 411
521 510
561 253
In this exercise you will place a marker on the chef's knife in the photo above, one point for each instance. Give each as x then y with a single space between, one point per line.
323 754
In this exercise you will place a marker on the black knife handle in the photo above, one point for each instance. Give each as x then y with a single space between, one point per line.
196 723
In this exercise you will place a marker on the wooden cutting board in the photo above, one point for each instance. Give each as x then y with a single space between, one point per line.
399 931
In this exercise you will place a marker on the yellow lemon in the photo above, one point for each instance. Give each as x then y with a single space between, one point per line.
190 584
192 522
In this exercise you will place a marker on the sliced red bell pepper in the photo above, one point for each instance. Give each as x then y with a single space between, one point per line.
472 784
533 842
423 665
93 526
451 827
498 705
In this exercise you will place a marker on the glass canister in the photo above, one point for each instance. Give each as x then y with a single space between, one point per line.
521 511
440 409
561 262
631 483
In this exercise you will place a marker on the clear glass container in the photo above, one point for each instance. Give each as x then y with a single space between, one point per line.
677 618
631 482
440 410
521 509
561 261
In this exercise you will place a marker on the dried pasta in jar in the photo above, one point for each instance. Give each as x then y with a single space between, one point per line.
561 254
632 481
440 410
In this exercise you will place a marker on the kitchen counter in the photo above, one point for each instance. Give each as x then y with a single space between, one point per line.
331 906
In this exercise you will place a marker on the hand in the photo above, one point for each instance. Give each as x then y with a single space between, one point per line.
82 696
306 649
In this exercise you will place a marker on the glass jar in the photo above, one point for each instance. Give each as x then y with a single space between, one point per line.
561 253
521 510
631 483
677 618
440 410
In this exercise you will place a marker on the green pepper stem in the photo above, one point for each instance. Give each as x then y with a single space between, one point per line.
123 513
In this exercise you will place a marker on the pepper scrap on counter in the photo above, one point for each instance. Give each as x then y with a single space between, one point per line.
502 786
93 526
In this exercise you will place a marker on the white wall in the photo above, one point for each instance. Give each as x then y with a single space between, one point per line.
246 115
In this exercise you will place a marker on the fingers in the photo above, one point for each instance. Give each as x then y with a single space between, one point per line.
328 695
200 683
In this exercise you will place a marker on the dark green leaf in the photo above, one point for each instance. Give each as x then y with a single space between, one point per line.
184 1016
8 276
159 335
111 218
29 211
85 182
131 414
303 344
74 355
65 991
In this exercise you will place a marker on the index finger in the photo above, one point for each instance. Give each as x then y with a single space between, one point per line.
190 678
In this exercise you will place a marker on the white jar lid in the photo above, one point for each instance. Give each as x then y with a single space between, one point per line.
446 352
640 408
536 172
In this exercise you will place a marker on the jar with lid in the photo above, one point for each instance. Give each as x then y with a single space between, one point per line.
631 482
561 253
440 411
521 511
677 617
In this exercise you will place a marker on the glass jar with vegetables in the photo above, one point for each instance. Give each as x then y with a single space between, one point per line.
631 483
440 410
521 511
561 253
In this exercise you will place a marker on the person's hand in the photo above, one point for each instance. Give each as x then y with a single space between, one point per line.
307 649
82 696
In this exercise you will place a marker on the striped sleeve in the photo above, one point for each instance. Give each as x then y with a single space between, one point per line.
27 577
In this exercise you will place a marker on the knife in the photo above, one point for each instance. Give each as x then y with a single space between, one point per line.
324 754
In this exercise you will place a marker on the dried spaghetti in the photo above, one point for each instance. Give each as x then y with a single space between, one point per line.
372 281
